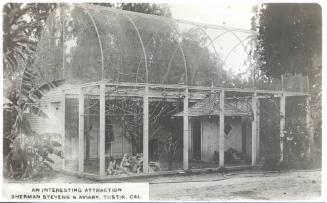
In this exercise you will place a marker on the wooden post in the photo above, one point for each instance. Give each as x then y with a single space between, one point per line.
185 130
258 128
62 18
146 130
102 130
282 126
190 140
81 131
254 129
309 125
222 129
63 129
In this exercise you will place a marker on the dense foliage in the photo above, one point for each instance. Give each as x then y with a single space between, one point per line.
289 41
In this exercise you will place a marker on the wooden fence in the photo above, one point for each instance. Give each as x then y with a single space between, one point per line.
287 82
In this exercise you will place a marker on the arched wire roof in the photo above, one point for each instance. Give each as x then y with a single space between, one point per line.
86 43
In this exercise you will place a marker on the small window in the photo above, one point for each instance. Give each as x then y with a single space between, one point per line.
228 129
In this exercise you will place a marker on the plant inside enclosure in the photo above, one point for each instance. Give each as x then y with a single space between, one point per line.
296 138
129 113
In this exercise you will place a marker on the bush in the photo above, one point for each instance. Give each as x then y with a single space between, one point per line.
29 157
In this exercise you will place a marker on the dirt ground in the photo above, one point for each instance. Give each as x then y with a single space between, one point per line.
259 186
245 185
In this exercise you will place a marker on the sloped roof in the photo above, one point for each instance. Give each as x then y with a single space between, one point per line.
210 107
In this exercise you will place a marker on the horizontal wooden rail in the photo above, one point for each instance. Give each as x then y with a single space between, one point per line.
172 91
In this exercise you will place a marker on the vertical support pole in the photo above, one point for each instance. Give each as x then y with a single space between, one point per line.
254 129
63 38
258 128
222 129
63 128
102 129
309 125
146 130
185 130
81 131
282 126
190 141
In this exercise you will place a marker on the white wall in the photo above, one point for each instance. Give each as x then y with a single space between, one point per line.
51 105
210 136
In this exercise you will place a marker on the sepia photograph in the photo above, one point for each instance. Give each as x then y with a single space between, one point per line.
146 101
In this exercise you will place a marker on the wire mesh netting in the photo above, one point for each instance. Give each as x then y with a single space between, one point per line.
91 133
84 43
71 134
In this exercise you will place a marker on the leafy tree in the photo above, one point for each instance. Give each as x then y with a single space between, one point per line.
290 41
28 152
290 38
22 25
147 8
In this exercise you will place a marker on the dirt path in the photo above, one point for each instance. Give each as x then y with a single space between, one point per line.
272 186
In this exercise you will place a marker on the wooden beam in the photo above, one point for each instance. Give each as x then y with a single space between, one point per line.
63 125
102 130
254 130
163 92
185 130
190 140
81 131
146 130
222 129
197 88
282 126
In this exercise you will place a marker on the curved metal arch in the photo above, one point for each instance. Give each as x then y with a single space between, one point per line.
239 39
143 48
218 36
193 30
182 52
198 60
235 46
112 69
99 40
184 59
101 49
174 53
138 66
227 31
198 28
211 42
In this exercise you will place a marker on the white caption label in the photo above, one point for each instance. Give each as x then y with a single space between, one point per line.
77 192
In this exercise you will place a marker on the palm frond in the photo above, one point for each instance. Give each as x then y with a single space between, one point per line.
38 112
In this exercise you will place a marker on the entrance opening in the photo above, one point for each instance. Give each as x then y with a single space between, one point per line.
196 139
244 129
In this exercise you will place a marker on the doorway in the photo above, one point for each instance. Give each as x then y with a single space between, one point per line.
196 136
